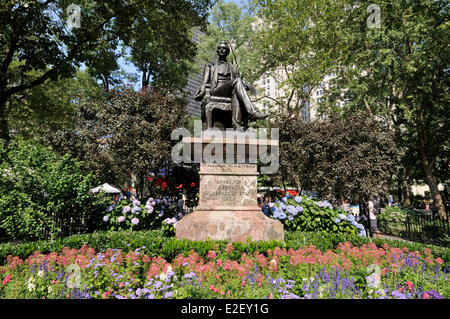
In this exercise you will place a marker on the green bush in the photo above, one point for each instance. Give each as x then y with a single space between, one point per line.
302 213
154 243
159 213
43 195
392 220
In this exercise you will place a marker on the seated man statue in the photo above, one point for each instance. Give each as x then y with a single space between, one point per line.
225 85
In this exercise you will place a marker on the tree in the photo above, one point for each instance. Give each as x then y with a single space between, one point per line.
124 135
52 106
161 42
339 158
37 46
396 70
44 195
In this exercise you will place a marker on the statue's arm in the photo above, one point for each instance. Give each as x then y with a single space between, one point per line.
206 80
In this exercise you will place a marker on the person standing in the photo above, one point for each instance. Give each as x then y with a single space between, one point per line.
373 219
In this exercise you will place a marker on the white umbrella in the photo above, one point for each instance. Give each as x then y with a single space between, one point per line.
105 188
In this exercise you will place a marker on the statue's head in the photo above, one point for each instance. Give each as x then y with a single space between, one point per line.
223 49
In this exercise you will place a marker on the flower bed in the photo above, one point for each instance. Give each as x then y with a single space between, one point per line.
307 272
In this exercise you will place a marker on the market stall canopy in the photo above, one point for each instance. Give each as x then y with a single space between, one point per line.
105 188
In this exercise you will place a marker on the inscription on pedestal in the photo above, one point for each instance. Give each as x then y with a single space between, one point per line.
224 169
229 190
228 185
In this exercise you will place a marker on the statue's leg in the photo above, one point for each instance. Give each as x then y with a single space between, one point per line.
236 112
244 100
241 93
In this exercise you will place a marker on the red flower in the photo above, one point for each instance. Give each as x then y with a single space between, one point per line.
178 187
192 184
163 186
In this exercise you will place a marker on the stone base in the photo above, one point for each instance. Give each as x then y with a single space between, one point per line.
236 225
228 207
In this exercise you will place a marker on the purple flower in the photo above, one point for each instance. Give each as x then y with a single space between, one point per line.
291 210
136 202
168 294
189 275
157 284
121 219
434 294
135 210
290 296
298 199
105 218
135 221
126 209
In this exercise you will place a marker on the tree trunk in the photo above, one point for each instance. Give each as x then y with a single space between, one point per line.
427 166
4 129
406 200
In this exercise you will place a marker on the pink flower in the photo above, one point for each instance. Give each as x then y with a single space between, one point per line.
426 296
222 292
271 296
145 259
211 287
216 289
212 254
219 262
6 280
121 285
243 283
439 261
409 284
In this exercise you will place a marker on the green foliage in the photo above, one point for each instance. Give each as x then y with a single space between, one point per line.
302 213
154 243
37 45
397 72
392 220
52 106
44 195
338 158
125 135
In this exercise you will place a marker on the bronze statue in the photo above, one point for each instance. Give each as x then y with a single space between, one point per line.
227 92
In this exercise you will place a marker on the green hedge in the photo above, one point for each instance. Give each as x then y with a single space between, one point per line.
156 244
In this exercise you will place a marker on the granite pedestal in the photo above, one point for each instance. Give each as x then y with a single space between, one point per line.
228 207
